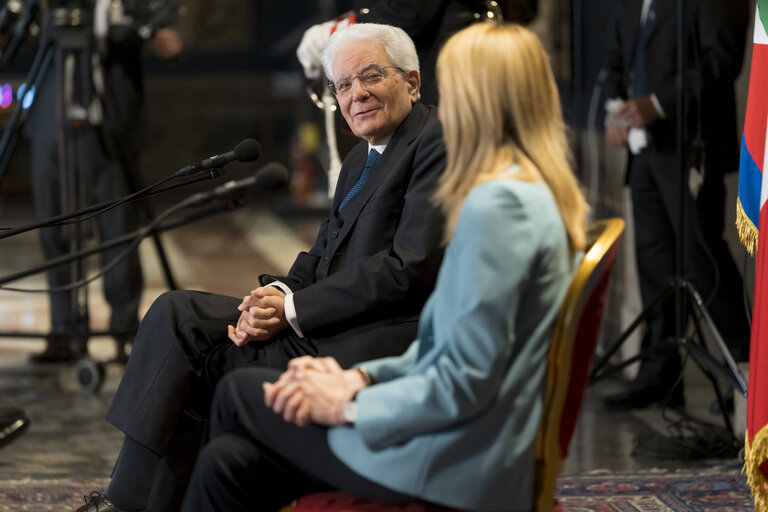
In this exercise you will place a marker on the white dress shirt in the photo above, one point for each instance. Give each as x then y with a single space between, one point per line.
289 307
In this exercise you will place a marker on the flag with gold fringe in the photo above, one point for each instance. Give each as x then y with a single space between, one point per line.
752 217
753 143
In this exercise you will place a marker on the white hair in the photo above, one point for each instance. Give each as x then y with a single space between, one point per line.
397 44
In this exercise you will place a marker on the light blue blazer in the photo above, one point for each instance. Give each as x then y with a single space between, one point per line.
453 420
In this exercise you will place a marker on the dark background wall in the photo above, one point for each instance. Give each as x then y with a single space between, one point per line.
238 77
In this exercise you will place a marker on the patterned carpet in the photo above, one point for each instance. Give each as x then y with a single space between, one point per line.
717 489
58 495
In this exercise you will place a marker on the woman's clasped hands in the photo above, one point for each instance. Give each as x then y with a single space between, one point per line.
313 390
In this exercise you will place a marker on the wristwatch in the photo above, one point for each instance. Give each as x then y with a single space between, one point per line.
349 411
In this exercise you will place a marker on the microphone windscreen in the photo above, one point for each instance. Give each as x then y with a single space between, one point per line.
247 150
273 176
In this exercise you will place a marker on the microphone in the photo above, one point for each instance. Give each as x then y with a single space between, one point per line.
272 176
246 151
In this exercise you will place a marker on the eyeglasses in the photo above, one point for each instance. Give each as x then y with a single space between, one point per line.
371 76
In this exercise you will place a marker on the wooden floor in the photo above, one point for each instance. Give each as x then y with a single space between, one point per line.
69 435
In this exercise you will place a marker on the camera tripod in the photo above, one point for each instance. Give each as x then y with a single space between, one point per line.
67 52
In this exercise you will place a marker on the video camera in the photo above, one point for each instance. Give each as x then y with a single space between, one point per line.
22 18
115 19
18 18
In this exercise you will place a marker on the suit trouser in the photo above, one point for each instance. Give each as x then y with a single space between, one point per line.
254 460
654 184
180 352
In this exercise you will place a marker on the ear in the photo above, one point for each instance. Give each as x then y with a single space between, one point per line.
414 81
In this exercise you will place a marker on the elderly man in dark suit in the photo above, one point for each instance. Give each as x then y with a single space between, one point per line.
641 87
355 295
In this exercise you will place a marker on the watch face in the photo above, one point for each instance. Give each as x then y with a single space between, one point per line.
349 411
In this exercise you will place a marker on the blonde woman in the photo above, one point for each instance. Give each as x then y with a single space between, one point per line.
453 420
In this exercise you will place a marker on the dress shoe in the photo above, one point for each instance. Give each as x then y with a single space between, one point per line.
97 502
54 353
13 422
645 395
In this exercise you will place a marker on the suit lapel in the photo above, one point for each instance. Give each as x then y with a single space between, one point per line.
403 136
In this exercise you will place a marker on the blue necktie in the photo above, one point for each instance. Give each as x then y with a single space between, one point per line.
372 157
640 73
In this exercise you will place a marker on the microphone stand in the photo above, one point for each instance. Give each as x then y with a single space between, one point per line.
148 192
154 228
90 373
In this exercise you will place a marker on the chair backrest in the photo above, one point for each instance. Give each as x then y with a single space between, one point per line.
573 345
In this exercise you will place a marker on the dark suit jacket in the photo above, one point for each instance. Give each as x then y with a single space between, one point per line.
359 291
714 42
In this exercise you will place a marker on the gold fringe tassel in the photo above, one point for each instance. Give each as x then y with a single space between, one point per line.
755 455
747 230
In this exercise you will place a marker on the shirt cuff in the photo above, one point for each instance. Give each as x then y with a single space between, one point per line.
657 106
288 307
279 284
290 314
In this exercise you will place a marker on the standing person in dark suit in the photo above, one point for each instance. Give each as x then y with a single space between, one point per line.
106 165
642 114
356 294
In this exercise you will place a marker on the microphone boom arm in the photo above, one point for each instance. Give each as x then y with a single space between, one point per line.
229 205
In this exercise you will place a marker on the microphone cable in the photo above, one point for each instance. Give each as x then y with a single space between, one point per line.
274 174
140 234
247 150
121 201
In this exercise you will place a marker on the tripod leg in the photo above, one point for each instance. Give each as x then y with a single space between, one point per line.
597 373
701 356
734 376
704 361
76 172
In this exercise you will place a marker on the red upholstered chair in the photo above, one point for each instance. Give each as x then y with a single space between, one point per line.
573 345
